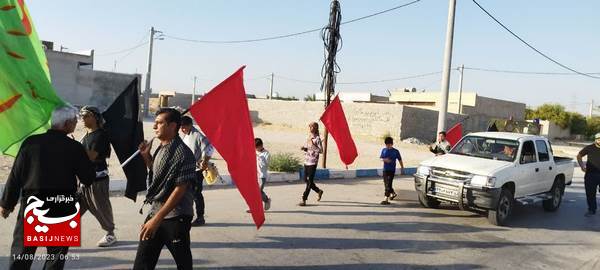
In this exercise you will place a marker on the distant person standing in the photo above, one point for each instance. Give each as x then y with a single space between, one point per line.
592 173
262 165
441 146
312 148
203 151
95 197
389 155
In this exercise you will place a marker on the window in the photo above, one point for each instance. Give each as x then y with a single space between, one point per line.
542 151
488 148
528 153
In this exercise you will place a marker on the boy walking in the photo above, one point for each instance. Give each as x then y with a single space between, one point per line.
262 164
389 155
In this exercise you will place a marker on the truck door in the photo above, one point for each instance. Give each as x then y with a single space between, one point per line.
528 170
546 166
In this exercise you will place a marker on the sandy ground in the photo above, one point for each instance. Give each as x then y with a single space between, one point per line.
277 139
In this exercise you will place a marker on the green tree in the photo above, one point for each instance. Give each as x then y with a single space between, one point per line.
593 126
578 123
553 112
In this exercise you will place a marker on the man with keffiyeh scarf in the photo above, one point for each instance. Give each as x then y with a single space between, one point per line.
171 174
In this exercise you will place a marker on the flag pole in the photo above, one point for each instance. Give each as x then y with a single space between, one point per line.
134 155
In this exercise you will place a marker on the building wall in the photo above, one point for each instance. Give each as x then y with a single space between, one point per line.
552 131
498 108
366 119
80 84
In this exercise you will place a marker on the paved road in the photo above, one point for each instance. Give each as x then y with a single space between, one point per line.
349 229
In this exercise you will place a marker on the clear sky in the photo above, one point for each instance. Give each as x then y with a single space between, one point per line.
401 43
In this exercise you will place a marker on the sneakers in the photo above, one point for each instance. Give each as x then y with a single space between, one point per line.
589 213
302 203
385 202
198 222
107 241
320 195
392 196
268 204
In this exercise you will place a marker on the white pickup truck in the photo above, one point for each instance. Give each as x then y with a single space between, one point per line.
490 171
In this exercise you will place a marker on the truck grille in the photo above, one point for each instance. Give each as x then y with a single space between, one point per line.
452 175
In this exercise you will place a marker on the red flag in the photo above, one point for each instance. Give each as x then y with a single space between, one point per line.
223 116
454 134
334 120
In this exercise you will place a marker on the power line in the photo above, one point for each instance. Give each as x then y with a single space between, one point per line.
287 35
531 46
125 50
363 82
526 72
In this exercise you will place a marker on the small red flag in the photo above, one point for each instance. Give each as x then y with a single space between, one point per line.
334 120
223 116
454 134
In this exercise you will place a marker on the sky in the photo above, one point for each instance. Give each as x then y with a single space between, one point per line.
401 43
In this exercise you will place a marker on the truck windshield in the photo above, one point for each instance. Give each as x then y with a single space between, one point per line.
489 148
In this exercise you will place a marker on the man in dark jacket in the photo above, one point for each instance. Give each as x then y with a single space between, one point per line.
48 163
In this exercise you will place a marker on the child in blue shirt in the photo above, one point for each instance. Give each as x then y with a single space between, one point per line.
389 155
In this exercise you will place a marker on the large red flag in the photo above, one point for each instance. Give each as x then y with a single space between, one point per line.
454 134
334 120
223 116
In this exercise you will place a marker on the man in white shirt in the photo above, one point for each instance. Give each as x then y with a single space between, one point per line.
202 150
262 166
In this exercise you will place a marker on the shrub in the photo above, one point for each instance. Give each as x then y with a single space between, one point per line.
284 162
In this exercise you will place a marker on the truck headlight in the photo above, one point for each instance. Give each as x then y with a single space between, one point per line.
483 181
424 170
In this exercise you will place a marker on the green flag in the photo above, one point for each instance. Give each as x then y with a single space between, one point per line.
27 97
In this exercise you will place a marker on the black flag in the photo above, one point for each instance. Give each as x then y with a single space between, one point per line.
493 127
126 133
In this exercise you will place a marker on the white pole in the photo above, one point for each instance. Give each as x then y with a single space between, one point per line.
443 106
460 85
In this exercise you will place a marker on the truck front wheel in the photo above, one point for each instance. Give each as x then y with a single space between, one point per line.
500 215
428 202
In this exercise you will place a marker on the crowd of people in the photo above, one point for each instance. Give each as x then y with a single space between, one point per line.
175 179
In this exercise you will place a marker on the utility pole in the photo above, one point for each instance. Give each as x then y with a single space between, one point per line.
460 84
148 90
333 38
194 90
446 71
592 109
271 91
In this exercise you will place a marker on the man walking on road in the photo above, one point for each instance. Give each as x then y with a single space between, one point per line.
592 172
95 197
172 173
202 150
48 163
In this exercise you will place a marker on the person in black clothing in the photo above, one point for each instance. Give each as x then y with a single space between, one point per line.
592 173
95 197
48 163
172 173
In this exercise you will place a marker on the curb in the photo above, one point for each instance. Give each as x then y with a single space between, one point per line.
321 174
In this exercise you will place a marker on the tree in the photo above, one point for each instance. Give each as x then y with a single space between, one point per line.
310 98
553 112
578 123
593 126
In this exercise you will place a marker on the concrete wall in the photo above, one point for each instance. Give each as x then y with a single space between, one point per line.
81 85
366 119
552 131
498 108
